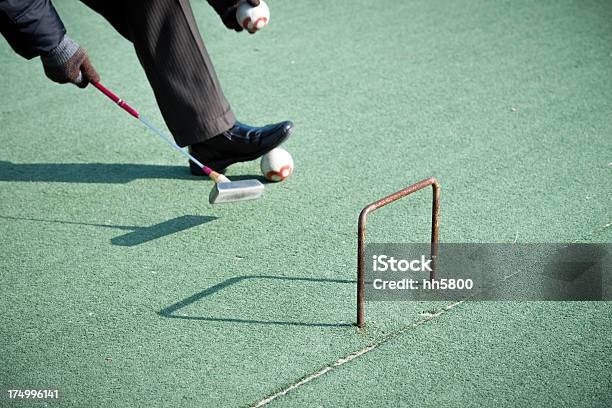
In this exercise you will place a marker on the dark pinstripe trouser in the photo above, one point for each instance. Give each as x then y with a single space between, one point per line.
170 49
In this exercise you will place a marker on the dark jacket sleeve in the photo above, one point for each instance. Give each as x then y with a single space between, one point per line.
31 27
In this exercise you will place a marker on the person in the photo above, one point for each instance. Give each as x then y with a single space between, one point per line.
171 51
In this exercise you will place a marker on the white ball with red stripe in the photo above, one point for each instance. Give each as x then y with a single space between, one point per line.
253 18
277 165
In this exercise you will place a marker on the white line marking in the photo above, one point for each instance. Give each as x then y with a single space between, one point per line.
350 357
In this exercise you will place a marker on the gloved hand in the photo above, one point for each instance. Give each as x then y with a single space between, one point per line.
227 11
68 62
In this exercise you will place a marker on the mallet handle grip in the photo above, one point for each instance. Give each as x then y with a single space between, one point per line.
117 100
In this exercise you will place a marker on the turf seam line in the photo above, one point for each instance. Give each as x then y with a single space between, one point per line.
593 233
352 356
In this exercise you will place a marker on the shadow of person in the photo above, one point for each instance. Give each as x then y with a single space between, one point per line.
90 172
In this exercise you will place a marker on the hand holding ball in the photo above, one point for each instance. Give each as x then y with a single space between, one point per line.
253 18
277 165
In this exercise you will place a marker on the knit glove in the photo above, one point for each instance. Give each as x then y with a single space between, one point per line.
68 62
227 11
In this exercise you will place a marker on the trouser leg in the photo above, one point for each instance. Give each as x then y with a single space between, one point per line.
177 65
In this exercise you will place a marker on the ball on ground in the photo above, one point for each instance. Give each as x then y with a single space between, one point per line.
277 165
253 18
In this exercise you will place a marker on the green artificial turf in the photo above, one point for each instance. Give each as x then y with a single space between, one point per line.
122 286
531 355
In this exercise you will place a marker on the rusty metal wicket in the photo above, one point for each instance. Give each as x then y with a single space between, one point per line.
363 217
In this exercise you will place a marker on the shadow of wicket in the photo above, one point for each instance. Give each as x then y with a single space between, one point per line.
169 312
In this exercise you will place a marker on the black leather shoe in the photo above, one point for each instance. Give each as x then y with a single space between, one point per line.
239 144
